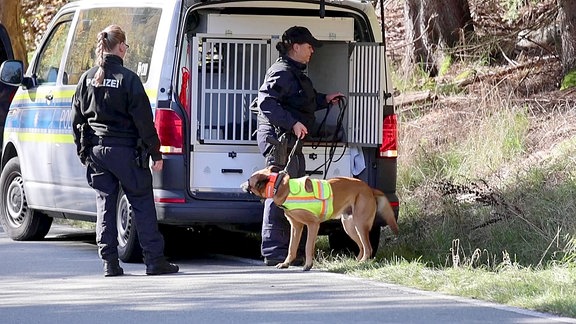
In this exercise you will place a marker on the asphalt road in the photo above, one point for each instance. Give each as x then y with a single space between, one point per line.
60 280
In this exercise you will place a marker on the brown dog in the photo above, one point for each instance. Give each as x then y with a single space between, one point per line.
349 199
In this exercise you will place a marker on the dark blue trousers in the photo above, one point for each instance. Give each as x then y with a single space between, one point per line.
275 226
112 167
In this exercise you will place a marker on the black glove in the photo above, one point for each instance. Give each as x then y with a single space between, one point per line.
85 143
142 155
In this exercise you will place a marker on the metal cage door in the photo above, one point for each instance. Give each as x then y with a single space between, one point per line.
366 96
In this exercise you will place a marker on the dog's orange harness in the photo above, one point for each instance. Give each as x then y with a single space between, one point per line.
270 189
319 202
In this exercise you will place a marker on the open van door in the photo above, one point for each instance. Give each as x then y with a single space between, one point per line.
6 91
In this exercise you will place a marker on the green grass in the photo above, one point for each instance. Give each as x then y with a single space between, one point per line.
569 80
551 289
483 213
76 223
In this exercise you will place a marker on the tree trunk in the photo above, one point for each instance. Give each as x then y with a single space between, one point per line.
432 27
567 26
10 15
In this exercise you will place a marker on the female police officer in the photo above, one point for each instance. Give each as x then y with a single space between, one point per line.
287 101
111 112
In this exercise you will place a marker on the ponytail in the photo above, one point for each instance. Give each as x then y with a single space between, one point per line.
100 46
283 47
106 41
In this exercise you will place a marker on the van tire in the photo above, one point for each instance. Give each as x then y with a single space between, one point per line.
340 241
129 249
20 222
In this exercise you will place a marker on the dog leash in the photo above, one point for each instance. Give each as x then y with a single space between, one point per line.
284 172
291 154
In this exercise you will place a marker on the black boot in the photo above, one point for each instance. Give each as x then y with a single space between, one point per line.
161 267
112 268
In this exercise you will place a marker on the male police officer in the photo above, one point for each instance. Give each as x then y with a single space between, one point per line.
111 114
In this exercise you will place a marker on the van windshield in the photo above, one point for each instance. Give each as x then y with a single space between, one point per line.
140 25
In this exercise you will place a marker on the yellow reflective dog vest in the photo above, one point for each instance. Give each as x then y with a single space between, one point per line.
319 202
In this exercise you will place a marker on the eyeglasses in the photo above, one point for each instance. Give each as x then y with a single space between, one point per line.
127 46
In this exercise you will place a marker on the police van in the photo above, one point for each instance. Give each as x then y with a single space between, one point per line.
201 63
7 91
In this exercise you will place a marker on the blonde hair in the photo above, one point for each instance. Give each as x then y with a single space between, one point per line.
107 40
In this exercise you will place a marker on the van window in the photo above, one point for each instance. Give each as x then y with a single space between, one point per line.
51 54
140 26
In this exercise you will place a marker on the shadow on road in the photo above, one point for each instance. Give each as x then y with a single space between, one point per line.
86 237
181 243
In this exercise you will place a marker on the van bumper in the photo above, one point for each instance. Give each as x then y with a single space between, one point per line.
210 213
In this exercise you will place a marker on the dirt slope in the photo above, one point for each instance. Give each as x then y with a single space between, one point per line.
525 78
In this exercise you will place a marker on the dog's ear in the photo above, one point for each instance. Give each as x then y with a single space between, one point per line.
308 185
258 183
261 183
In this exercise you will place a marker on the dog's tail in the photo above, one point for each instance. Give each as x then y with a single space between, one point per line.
385 211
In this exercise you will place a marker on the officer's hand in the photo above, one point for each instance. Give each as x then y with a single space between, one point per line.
300 130
157 165
333 97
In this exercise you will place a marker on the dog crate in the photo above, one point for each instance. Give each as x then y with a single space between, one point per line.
230 71
228 75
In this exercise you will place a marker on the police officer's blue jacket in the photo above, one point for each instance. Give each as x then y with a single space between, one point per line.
117 108
288 96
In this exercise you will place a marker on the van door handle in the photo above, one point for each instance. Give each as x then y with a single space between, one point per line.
231 171
49 96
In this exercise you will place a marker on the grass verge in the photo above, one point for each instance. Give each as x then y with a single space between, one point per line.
487 187
550 290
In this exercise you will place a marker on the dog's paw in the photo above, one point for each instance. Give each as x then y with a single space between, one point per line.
307 267
283 265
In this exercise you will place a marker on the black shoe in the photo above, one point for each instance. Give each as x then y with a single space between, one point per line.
160 268
112 269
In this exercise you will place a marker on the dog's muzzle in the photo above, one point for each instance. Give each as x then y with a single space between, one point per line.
265 188
245 186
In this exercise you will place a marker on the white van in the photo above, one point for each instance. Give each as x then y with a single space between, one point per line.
201 63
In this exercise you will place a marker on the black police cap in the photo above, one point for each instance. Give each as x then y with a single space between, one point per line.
300 35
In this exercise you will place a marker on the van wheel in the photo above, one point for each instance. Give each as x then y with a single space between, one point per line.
129 249
19 221
340 241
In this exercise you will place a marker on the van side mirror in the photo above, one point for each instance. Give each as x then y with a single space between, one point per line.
12 72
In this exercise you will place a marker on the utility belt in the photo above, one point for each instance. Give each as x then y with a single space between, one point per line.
113 141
